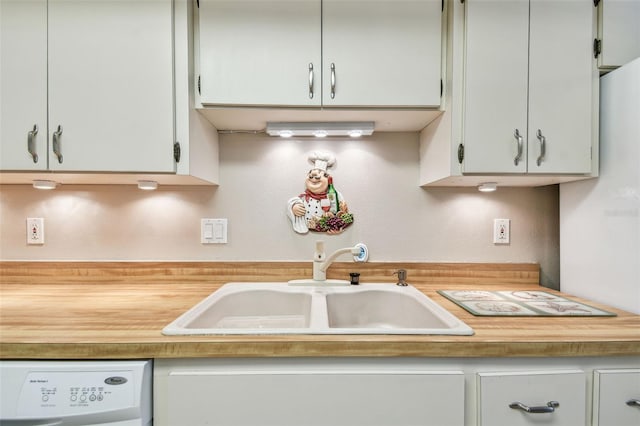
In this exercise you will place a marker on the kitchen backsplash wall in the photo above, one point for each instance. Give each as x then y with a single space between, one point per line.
378 177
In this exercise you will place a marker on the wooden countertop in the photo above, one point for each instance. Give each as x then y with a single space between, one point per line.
113 311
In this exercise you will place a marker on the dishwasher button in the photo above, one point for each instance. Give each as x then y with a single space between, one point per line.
74 398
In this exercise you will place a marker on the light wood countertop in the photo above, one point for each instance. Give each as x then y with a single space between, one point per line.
117 310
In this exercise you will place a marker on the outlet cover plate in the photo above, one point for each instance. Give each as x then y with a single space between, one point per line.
35 230
501 231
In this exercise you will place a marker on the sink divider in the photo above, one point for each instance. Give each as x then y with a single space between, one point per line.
319 317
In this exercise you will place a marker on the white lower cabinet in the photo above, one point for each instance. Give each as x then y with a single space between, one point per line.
616 397
396 391
531 398
282 394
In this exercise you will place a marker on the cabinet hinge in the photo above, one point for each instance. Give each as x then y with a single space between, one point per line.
597 47
460 153
199 93
176 151
441 88
596 3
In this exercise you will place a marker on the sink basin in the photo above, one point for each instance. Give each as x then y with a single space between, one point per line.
277 308
384 309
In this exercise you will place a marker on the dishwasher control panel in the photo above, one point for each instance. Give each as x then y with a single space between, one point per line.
89 392
69 392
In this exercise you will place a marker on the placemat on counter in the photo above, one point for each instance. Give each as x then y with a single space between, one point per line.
520 303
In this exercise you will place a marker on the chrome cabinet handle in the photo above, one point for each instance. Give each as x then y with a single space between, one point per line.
31 143
310 80
633 402
333 80
549 408
518 137
56 143
543 143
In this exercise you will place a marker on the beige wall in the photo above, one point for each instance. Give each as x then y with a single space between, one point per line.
378 176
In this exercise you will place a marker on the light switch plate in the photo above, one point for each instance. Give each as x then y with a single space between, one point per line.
213 231
501 231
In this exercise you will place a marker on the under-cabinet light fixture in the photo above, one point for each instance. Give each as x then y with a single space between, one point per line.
147 185
44 184
487 187
352 129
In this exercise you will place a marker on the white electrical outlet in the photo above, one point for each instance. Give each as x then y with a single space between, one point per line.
35 230
213 231
501 231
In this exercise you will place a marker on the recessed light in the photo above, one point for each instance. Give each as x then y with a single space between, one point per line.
147 185
487 187
44 184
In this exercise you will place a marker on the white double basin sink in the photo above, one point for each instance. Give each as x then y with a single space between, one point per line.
278 308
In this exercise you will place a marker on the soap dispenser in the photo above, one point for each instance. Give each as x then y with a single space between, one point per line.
402 276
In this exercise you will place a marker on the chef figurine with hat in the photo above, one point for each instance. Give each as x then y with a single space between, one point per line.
320 208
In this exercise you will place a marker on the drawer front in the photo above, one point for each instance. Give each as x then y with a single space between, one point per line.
615 393
504 397
314 398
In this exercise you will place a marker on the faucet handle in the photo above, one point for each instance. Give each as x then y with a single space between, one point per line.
402 276
319 255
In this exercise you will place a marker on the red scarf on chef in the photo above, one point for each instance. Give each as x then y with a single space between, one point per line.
308 194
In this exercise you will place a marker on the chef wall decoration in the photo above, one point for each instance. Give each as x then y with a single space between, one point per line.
320 208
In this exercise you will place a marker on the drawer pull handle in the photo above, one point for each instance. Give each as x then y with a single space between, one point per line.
57 150
543 144
549 408
518 137
31 143
633 402
333 81
310 80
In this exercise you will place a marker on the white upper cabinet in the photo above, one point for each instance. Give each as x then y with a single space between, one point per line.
495 101
529 87
256 52
618 39
313 53
103 70
111 85
381 53
23 85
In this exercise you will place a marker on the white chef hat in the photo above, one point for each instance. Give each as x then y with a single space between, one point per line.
321 160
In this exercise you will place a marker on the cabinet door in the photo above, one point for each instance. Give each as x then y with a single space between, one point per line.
111 85
240 397
383 52
615 393
257 52
23 84
562 71
495 93
497 392
619 32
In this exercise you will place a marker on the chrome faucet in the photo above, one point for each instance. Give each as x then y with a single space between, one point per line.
321 263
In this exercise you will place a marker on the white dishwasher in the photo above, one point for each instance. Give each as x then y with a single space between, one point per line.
74 393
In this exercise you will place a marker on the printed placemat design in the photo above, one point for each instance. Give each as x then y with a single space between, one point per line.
520 303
